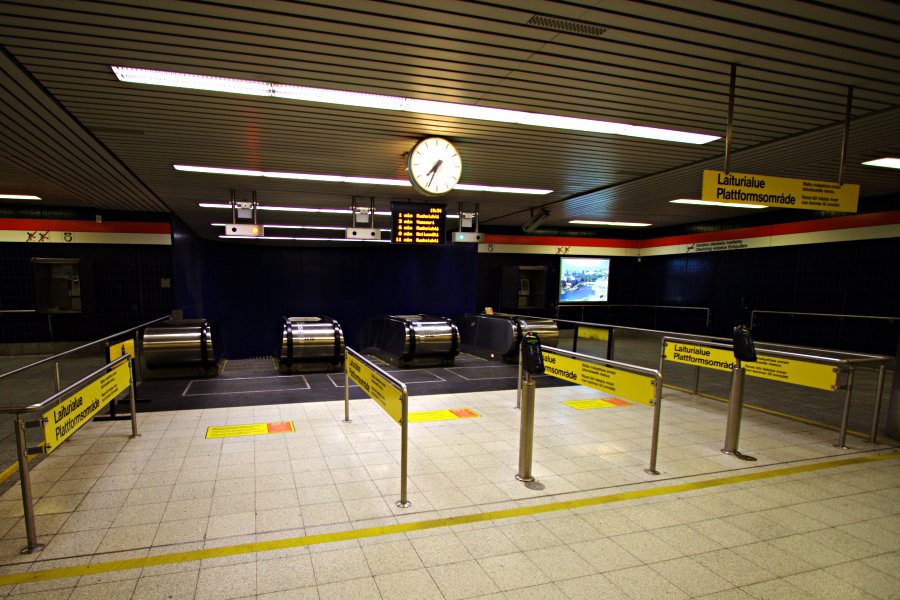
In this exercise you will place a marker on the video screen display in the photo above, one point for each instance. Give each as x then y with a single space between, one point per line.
583 280
417 223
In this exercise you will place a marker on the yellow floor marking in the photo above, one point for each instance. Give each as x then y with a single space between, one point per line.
7 473
444 414
353 534
224 431
598 403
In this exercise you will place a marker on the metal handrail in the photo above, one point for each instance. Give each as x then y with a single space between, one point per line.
404 418
667 306
71 389
859 356
9 311
844 363
753 314
655 374
82 347
397 383
810 357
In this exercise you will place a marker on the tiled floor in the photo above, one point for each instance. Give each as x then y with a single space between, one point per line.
312 514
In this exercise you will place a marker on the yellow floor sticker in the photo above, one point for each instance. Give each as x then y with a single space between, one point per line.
224 431
445 414
598 403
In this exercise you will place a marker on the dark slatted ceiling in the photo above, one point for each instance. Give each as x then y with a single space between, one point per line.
101 143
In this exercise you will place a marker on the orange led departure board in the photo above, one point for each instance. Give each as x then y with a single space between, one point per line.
417 223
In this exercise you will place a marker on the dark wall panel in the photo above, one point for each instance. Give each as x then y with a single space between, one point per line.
857 278
244 288
126 289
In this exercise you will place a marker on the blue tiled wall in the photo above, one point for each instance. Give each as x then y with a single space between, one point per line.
244 289
127 290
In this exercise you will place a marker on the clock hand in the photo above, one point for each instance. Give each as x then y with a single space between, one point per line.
434 170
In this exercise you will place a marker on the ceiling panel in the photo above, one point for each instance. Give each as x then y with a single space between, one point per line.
85 139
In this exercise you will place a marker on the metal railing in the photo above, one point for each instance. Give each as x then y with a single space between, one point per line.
841 363
654 306
56 357
843 358
526 404
404 415
753 314
23 451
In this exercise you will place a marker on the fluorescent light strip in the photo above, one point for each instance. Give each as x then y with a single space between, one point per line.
610 223
299 239
711 203
270 226
18 197
889 162
344 179
382 102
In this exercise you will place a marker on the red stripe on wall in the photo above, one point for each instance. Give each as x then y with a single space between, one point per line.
84 226
816 225
527 240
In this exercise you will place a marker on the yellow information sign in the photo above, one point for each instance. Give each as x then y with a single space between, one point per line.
225 431
446 414
782 192
121 349
775 368
68 416
377 387
605 379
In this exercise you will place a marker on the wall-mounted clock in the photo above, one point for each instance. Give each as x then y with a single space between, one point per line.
433 166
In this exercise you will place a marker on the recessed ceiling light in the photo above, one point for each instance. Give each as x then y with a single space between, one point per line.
18 197
382 102
610 223
889 162
345 179
711 203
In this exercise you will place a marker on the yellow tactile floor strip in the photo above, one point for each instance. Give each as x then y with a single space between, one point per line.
311 540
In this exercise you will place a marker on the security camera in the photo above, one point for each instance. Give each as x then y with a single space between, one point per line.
537 218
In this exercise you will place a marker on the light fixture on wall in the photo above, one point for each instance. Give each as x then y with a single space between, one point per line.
18 197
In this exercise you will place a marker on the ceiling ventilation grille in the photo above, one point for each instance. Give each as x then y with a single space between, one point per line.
567 25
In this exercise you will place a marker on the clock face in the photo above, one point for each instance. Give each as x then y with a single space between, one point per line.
433 166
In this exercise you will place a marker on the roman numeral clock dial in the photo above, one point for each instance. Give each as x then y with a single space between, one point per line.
433 166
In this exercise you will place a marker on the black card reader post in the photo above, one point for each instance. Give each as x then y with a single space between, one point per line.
532 356
743 344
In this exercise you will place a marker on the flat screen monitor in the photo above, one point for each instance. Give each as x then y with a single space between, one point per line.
417 223
583 280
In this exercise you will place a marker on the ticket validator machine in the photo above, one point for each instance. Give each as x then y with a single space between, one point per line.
744 351
532 361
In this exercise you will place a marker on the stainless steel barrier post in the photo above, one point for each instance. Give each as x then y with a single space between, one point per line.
56 376
879 389
404 430
131 401
735 408
526 431
654 440
519 381
575 339
25 480
696 380
845 418
346 393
